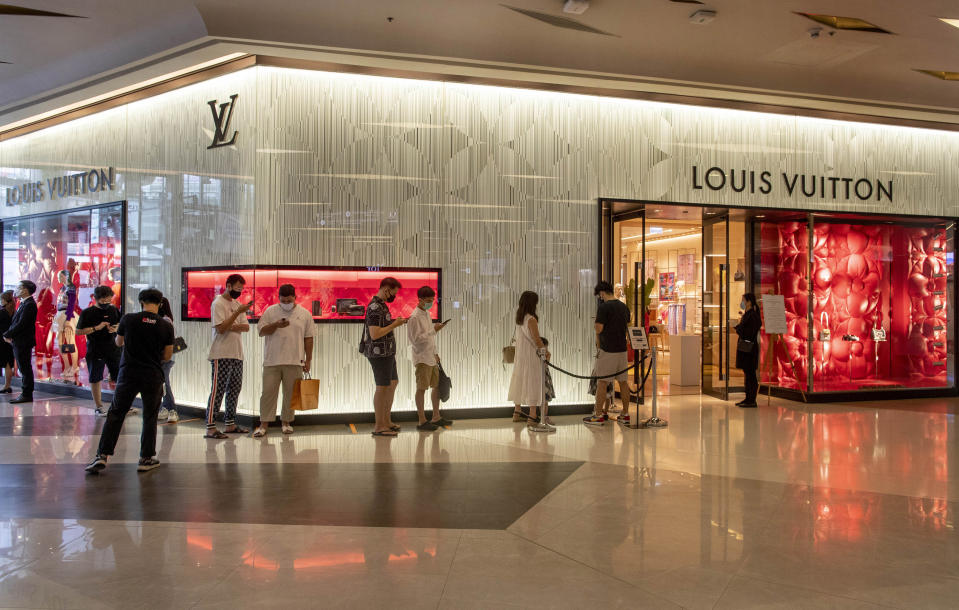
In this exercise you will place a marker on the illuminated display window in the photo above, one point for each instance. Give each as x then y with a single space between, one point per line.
331 294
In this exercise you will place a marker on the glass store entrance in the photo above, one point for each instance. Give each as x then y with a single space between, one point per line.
876 315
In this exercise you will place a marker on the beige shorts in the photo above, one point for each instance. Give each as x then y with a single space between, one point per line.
427 376
608 363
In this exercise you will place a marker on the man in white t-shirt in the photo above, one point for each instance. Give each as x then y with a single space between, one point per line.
287 354
421 331
228 316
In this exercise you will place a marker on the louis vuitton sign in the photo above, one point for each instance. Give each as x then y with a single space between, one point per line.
69 185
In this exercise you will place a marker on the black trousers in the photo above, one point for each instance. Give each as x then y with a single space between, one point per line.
151 391
752 384
24 356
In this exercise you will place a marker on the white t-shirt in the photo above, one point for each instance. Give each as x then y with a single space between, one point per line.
285 345
228 344
422 337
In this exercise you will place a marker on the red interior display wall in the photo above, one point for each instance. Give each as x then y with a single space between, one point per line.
320 290
880 305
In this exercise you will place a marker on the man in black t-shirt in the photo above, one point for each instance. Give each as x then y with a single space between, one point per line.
612 337
99 323
147 341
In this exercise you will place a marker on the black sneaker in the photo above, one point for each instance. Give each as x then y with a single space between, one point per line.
147 464
427 426
98 464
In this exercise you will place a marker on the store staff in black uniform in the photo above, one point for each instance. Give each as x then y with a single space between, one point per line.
99 323
747 348
147 342
23 336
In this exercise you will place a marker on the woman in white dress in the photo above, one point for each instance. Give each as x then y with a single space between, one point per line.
526 385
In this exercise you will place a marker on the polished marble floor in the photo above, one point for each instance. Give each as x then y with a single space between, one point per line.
785 506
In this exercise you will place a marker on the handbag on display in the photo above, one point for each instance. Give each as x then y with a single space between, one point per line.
306 394
879 334
179 345
68 348
446 384
824 333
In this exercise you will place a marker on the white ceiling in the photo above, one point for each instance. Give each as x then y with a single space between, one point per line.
757 44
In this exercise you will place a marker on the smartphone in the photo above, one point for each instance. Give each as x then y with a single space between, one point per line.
447 321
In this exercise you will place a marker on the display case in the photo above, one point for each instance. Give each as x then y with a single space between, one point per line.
331 294
869 303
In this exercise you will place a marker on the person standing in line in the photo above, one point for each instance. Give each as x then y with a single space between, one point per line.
226 357
7 309
526 385
421 332
146 341
379 347
747 348
287 354
168 408
612 358
23 335
99 324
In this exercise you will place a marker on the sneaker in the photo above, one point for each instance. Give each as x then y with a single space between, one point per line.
623 419
595 420
173 417
147 464
101 411
164 414
539 427
427 426
98 464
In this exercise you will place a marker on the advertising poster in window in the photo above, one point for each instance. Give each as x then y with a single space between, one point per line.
667 286
687 268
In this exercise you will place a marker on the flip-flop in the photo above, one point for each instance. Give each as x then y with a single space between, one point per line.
389 433
395 428
215 435
238 430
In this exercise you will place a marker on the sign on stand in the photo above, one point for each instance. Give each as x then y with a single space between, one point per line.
637 338
774 314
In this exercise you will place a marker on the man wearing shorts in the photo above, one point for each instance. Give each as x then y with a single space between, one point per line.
421 331
612 337
99 324
379 347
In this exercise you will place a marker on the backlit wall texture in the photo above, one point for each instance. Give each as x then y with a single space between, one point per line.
498 187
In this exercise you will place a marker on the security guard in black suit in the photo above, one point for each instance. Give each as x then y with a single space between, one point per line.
23 336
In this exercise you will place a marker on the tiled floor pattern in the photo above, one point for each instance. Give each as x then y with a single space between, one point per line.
786 506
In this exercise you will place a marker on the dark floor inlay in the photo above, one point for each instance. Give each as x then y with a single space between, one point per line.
469 496
51 425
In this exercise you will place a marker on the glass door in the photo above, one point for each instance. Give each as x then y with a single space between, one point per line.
626 262
716 312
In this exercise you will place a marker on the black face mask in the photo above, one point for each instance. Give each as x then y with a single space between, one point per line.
235 293
103 305
391 298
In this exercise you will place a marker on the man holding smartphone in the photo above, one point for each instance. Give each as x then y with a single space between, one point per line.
99 324
379 347
226 356
421 331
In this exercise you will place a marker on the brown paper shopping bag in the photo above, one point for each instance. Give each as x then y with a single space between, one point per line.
306 395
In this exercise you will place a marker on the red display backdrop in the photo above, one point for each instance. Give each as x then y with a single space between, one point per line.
881 308
327 292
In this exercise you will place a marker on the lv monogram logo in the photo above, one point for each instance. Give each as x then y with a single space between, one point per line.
221 119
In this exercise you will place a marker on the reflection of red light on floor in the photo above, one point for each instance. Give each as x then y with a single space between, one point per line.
197 540
342 559
260 563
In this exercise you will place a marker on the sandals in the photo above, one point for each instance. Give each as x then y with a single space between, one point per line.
519 416
389 433
238 429
259 433
395 428
215 434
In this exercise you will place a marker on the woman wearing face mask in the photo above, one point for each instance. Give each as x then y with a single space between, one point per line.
747 348
168 407
526 385
7 309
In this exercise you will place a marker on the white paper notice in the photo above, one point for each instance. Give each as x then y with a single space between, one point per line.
774 314
637 337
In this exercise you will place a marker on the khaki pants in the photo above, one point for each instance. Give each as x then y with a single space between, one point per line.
273 376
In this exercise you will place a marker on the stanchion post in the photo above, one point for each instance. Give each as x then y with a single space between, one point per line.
654 421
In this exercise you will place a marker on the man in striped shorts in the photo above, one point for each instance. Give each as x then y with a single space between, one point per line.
229 321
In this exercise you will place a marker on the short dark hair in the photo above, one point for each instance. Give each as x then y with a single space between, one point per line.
603 287
30 286
425 292
233 278
150 296
102 292
390 282
287 290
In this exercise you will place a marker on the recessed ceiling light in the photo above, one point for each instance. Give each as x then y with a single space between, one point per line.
953 22
845 23
941 74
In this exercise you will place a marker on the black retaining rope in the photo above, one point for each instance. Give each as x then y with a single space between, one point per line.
649 369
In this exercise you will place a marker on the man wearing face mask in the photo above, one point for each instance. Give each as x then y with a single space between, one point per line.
23 335
421 331
379 347
287 354
99 324
228 316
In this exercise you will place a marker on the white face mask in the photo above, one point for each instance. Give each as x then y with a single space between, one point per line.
287 307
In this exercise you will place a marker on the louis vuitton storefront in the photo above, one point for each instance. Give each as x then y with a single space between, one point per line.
331 180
